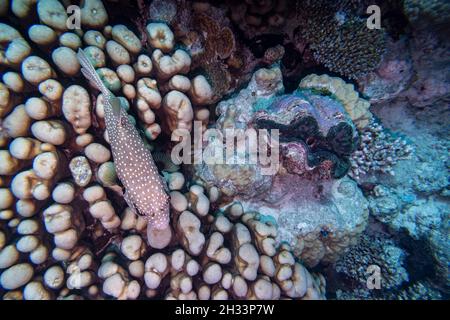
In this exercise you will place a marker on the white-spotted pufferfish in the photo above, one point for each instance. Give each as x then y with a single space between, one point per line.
145 192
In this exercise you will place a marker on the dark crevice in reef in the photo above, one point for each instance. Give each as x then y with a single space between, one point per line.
419 262
292 60
259 44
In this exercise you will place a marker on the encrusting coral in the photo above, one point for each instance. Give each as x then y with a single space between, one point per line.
413 69
345 93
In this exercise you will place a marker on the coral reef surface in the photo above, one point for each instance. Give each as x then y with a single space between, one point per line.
335 182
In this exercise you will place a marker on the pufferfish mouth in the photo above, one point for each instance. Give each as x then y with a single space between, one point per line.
163 218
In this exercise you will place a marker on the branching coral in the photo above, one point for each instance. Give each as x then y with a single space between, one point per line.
373 254
374 251
379 151
339 40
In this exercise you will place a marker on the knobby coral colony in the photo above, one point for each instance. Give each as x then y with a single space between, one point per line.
80 136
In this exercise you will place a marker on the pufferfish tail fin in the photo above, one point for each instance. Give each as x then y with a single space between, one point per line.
88 71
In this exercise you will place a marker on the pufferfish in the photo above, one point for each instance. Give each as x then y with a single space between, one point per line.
145 192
